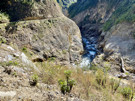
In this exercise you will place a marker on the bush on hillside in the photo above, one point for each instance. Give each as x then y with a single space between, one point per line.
4 17
127 92
66 85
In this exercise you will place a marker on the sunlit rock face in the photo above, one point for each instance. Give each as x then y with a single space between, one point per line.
46 31
120 39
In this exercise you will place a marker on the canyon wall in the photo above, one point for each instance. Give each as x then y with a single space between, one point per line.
43 29
111 25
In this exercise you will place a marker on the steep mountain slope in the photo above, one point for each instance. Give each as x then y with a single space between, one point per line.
100 11
122 8
125 12
38 44
43 29
111 22
16 73
31 35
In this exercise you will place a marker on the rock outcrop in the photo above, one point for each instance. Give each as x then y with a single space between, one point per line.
30 10
118 51
47 32
37 32
15 74
120 39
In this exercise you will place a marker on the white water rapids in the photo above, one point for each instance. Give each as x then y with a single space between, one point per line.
90 54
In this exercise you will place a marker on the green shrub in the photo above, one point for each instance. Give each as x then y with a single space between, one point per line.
9 63
12 63
2 40
63 86
106 67
127 92
14 74
67 73
34 80
66 85
101 77
24 49
114 85
51 59
4 17
64 51
93 67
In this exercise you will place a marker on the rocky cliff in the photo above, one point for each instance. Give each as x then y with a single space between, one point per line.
35 40
43 29
120 39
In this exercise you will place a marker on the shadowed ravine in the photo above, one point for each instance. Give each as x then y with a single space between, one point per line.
90 36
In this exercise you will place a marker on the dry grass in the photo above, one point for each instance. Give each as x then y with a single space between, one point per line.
86 86
51 73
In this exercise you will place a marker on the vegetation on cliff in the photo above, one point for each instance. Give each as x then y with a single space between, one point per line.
10 7
80 6
65 4
30 9
4 17
124 10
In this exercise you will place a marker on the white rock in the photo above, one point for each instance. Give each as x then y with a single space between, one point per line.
10 48
85 62
28 62
7 94
9 57
16 54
